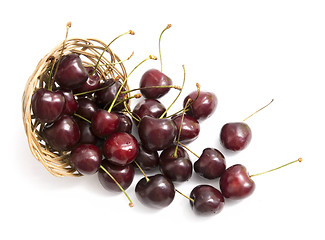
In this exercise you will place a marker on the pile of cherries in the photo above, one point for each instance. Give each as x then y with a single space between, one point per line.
89 118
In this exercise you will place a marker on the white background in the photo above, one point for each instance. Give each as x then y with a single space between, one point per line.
246 52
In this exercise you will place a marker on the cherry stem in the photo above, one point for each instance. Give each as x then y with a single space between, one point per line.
125 80
186 109
128 98
184 146
50 87
258 110
81 117
105 49
191 199
110 175
180 128
95 90
298 160
167 27
141 170
113 63
180 91
166 86
128 111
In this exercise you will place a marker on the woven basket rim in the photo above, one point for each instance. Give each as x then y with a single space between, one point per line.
57 163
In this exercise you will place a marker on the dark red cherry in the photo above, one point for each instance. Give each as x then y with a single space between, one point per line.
91 84
86 158
211 164
121 148
63 134
235 183
105 97
71 104
104 124
157 134
190 128
179 168
148 107
86 135
158 192
122 174
86 108
125 123
207 200
47 106
235 136
202 107
148 160
71 74
151 78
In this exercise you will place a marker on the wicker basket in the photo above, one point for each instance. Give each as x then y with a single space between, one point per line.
57 163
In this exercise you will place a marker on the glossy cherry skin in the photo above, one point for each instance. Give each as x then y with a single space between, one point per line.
63 134
148 107
211 164
190 128
86 108
148 160
71 74
105 97
125 123
207 200
158 192
47 106
235 183
235 136
157 134
91 84
154 77
104 124
122 174
71 104
86 158
203 107
121 148
177 169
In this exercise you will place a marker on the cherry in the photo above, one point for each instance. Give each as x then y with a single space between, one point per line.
91 84
121 148
156 134
146 159
47 106
206 200
211 164
106 96
175 164
71 74
155 191
148 107
86 108
86 158
235 182
71 103
154 77
203 106
122 174
190 128
125 123
63 134
104 123
236 136
86 135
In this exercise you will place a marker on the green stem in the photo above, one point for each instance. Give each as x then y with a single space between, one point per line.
162 115
298 160
81 117
110 175
191 199
258 110
167 27
184 146
165 86
145 176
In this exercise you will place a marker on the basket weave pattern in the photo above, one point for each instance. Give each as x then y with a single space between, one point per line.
57 163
